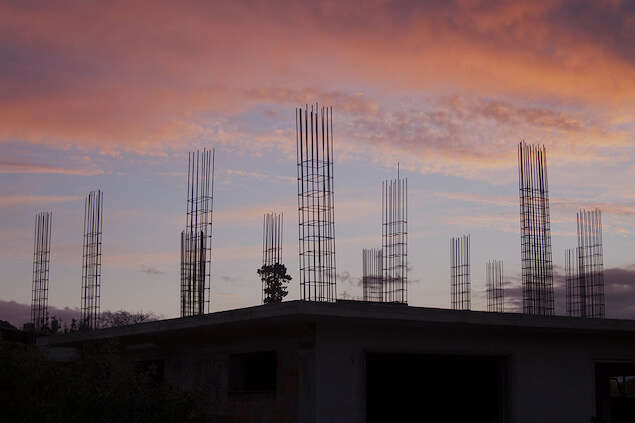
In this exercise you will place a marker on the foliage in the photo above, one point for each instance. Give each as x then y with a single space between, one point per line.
6 325
274 277
48 326
111 319
97 386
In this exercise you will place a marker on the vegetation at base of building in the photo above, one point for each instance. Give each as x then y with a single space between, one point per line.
274 277
97 386
107 319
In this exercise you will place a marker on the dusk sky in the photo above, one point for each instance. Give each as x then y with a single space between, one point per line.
112 95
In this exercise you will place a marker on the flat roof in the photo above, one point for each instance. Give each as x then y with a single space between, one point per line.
351 311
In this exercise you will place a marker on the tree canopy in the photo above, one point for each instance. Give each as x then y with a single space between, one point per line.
6 325
108 319
111 319
274 277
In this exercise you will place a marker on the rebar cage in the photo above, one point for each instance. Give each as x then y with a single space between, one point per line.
575 298
316 212
591 260
584 268
91 262
372 279
460 273
271 242
536 257
41 263
395 240
196 239
495 292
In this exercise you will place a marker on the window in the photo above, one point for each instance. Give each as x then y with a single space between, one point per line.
253 372
622 386
615 392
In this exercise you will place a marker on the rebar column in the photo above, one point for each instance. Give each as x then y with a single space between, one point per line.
271 242
585 268
372 280
316 211
535 230
395 240
271 239
41 262
196 239
460 273
574 289
91 262
495 292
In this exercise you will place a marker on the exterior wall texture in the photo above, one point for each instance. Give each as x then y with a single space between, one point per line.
547 363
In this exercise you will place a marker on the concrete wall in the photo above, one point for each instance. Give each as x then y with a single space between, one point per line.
322 350
551 374
202 361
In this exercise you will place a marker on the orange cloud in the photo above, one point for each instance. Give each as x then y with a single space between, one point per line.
16 167
154 76
475 137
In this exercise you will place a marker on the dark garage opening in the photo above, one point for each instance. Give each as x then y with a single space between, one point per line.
435 388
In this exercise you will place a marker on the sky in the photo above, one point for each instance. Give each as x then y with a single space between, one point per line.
113 95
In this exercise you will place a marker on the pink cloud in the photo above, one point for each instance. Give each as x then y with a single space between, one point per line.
17 167
145 76
476 137
259 176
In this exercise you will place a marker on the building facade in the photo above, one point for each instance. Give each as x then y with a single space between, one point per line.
353 361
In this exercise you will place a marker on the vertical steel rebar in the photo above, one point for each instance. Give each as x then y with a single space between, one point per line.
271 242
196 239
536 256
572 282
316 214
460 292
495 292
41 265
372 279
584 267
91 260
395 240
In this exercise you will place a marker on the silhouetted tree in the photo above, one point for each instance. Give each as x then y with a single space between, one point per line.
74 327
110 319
274 277
6 325
50 326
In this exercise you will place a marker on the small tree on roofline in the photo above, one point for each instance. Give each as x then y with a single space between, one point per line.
274 277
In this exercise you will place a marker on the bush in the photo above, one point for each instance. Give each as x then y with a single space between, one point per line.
97 387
